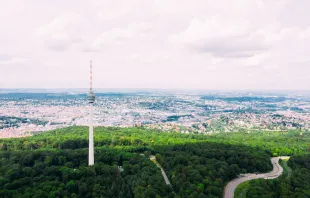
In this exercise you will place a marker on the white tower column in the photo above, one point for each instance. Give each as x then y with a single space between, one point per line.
91 138
91 100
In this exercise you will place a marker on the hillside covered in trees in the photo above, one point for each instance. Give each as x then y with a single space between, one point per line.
54 164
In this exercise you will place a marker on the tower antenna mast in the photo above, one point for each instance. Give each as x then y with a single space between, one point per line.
91 77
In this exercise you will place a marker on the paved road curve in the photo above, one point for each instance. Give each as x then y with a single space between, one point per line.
152 158
276 172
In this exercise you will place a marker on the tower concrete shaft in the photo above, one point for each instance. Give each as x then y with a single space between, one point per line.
91 156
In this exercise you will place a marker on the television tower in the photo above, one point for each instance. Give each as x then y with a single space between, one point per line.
91 100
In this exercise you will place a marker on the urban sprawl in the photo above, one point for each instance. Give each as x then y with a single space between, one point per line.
22 114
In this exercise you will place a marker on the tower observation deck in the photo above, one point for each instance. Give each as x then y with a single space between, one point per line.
91 97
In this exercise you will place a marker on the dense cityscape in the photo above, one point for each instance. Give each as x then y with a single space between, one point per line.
22 114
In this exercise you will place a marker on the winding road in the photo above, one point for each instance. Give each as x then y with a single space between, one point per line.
276 172
152 158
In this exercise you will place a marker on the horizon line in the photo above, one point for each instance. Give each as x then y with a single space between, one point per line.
163 89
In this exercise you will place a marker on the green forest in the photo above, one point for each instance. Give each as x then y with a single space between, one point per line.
295 183
54 163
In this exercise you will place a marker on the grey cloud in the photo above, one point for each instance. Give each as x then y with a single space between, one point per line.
228 49
235 54
57 47
224 37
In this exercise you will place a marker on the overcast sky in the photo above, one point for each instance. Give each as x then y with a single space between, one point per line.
188 44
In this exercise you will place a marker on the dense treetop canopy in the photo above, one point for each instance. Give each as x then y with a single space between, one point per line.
54 164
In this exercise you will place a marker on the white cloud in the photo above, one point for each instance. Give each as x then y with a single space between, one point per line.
156 44
60 23
118 36
225 37
62 31
305 34
13 61
6 59
256 60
